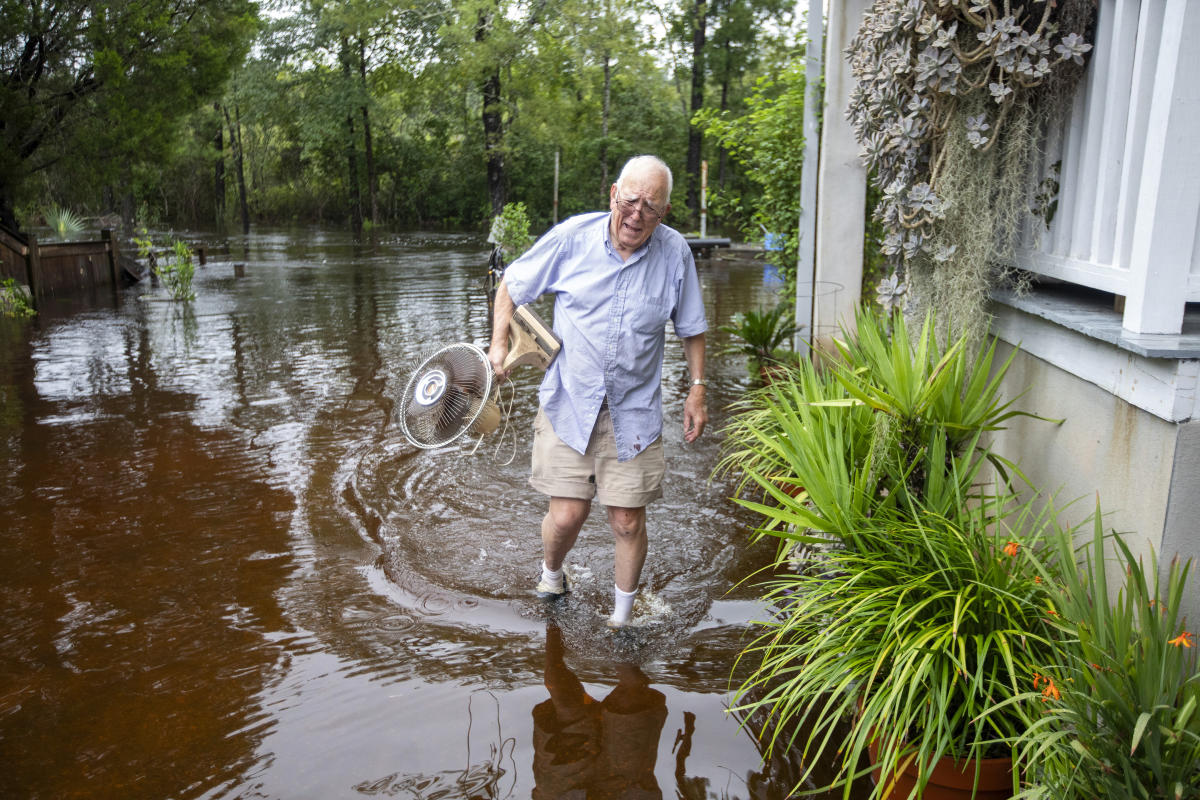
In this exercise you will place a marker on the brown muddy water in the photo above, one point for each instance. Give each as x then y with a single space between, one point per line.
224 572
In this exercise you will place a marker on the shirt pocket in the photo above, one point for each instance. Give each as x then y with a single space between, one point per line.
648 314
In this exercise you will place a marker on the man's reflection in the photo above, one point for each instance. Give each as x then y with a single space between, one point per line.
588 749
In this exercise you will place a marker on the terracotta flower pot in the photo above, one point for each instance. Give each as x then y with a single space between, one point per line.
952 780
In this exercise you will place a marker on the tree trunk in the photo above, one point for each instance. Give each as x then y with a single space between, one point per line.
493 138
694 135
7 212
372 178
723 154
127 201
219 171
493 124
351 151
235 141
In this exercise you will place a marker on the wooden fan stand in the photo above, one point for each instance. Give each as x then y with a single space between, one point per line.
531 343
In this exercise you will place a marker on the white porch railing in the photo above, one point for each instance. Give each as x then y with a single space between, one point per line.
1129 155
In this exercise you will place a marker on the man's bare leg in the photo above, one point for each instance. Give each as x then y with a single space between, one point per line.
560 528
629 531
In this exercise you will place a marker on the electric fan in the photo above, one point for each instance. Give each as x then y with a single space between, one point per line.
449 394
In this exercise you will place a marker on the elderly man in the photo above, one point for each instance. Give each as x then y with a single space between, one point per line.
616 278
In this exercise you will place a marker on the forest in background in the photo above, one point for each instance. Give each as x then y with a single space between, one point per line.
395 113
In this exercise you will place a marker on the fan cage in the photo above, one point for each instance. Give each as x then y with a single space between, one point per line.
445 395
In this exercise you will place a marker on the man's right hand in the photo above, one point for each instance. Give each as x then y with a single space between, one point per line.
502 314
496 355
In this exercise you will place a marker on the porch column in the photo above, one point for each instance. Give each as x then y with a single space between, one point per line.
841 180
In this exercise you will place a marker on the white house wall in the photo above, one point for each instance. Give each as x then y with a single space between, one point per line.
1143 470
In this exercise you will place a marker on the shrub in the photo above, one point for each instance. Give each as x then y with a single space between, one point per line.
174 269
13 300
510 231
1117 711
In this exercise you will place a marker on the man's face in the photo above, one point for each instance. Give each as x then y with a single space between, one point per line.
638 205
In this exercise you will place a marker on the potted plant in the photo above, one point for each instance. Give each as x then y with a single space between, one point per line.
917 620
917 628
760 335
1116 711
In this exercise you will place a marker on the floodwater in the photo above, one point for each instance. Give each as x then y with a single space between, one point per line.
225 573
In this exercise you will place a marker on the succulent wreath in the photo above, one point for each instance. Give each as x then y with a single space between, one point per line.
951 101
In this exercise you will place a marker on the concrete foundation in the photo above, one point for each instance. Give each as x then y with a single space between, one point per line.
1143 469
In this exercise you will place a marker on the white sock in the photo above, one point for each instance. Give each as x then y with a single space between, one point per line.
622 604
552 576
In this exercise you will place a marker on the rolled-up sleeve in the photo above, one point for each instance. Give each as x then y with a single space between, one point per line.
535 273
688 316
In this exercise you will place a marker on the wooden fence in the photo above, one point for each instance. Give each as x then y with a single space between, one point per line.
66 267
59 267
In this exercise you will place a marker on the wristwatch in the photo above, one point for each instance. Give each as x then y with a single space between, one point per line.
699 382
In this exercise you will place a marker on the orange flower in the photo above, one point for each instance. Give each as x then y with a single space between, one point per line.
1011 548
1182 640
1037 578
1051 691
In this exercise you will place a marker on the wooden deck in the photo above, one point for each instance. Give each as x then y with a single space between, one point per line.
702 248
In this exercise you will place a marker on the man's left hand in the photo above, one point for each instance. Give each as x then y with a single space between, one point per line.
695 414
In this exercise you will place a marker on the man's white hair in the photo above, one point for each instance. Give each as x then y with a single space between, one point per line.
647 163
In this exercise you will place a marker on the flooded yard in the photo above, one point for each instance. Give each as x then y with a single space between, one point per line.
225 573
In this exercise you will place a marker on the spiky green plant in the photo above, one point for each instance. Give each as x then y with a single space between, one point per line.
63 221
760 334
916 629
889 417
1116 712
13 301
912 608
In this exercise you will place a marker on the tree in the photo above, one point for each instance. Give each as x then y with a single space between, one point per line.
769 142
96 83
724 38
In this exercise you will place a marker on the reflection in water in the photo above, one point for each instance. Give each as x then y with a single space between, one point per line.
493 778
603 750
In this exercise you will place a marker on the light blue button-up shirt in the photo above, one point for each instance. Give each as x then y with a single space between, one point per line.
612 317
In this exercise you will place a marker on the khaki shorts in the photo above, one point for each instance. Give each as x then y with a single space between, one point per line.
560 471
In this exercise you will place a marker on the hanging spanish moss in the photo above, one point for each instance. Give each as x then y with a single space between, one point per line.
984 195
951 102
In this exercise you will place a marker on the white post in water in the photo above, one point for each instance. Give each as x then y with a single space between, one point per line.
703 199
806 257
556 186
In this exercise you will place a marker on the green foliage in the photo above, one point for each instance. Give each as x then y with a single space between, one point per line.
908 604
510 232
768 140
582 78
1118 711
917 626
13 300
174 268
63 221
902 420
760 334
91 91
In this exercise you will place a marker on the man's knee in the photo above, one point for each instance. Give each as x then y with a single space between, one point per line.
627 522
567 515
